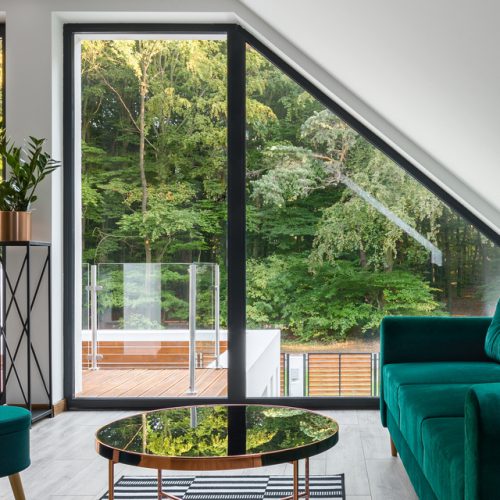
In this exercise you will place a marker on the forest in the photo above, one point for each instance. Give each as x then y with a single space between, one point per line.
331 221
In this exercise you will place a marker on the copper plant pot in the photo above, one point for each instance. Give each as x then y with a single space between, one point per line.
15 226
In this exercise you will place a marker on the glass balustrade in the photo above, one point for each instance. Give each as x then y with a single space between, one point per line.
156 323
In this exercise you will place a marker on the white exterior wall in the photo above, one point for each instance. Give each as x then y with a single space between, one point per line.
263 363
263 349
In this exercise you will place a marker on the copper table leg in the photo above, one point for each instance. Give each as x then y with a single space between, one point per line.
296 494
111 480
307 479
296 480
162 494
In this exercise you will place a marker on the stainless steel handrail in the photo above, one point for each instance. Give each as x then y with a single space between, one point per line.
217 314
192 329
93 288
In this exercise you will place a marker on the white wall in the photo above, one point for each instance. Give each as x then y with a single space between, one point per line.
34 91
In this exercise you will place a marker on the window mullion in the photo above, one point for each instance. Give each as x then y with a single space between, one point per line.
236 295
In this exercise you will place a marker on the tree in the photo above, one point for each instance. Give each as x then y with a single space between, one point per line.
335 153
164 121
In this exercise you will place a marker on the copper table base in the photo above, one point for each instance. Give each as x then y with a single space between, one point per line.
127 441
161 494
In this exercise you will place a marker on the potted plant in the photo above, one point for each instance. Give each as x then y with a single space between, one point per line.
27 168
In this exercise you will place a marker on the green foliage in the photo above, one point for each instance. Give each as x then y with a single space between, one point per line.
170 433
170 213
27 169
331 301
185 159
294 174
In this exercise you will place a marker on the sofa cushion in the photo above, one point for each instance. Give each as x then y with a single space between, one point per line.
398 375
492 340
443 440
417 403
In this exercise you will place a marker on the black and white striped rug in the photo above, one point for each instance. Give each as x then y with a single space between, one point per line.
226 487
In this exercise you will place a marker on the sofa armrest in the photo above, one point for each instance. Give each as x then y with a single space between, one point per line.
482 442
423 339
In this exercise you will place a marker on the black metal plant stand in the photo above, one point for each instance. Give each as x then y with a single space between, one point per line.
18 299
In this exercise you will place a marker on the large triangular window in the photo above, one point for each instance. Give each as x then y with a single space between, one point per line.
234 234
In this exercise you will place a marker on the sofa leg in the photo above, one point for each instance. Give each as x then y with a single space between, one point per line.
17 486
394 452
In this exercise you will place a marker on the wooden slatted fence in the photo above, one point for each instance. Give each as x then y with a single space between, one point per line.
336 374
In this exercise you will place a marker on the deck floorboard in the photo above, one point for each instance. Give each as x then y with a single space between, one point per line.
152 383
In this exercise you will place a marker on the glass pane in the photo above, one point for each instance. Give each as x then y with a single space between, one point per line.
338 237
153 190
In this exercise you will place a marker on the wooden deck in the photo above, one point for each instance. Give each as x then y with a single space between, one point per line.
152 383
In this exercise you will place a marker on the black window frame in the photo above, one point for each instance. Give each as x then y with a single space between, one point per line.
237 40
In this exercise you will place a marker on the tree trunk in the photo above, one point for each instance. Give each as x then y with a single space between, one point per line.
445 273
142 140
460 249
362 258
389 260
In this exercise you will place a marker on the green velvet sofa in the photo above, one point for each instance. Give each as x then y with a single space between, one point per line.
440 399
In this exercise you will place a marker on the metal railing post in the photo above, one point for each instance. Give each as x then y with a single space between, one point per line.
340 374
217 315
371 375
192 329
286 364
93 289
305 356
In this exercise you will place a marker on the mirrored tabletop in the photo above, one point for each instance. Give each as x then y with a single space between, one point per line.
178 438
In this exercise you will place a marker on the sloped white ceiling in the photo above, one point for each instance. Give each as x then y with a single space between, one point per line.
430 69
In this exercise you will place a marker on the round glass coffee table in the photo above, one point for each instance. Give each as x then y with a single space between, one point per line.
217 437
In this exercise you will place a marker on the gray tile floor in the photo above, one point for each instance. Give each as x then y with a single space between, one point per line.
65 465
